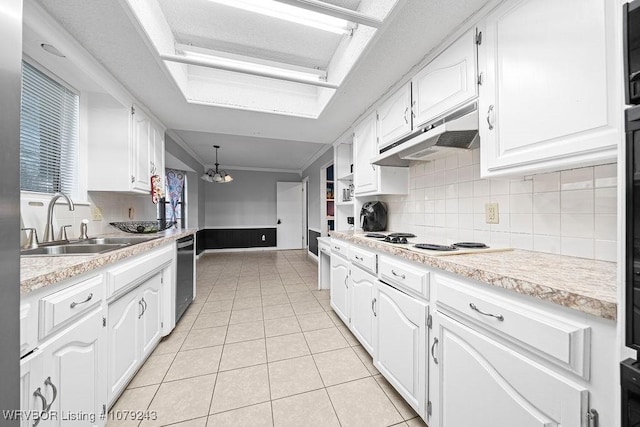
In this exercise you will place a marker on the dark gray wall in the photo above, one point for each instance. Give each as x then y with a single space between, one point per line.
313 172
247 201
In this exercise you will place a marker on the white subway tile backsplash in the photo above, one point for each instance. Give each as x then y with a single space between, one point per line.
546 203
606 227
606 175
546 182
440 165
451 191
576 179
465 189
606 200
546 224
578 247
522 241
521 187
606 250
521 223
465 158
500 240
451 162
577 201
521 203
498 187
481 188
549 244
576 225
465 205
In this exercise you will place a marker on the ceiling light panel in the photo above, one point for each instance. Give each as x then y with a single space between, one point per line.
292 14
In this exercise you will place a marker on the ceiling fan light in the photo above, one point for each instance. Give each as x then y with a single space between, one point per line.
228 178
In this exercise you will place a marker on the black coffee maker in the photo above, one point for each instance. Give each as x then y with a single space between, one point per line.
373 216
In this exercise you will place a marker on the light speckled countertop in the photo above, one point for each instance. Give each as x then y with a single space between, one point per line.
581 284
37 272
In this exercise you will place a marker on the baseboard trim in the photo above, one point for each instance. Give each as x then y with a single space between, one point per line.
254 249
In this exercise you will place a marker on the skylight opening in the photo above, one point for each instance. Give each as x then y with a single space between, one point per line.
293 14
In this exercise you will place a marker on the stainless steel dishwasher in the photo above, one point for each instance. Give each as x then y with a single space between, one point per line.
184 275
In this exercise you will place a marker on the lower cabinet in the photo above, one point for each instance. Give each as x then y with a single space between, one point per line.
63 383
483 383
134 329
363 288
340 287
400 341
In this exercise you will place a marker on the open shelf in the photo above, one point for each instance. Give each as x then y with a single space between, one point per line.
349 203
347 177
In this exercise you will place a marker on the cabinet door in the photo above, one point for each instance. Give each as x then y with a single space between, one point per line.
157 150
550 96
141 152
124 342
394 117
150 326
400 344
446 82
498 386
363 287
31 387
340 287
364 147
74 375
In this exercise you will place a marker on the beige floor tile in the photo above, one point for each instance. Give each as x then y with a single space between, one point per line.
248 293
275 299
292 280
137 399
240 387
242 354
198 422
185 323
212 320
313 321
335 318
208 337
276 311
340 366
286 347
346 333
398 401
193 309
363 403
250 416
192 363
273 290
281 326
182 400
366 359
301 296
153 370
246 315
307 307
312 409
294 288
245 332
217 306
171 343
293 376
325 340
220 296
416 422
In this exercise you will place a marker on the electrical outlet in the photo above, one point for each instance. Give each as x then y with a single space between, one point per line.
96 213
491 214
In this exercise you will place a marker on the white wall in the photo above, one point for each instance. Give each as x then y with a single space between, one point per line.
248 201
313 172
571 212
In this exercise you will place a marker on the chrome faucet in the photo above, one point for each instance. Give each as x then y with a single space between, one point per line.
48 231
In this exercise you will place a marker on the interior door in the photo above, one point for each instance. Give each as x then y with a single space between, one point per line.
289 215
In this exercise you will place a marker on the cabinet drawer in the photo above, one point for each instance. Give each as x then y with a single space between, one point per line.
363 258
131 273
404 275
339 247
70 302
560 340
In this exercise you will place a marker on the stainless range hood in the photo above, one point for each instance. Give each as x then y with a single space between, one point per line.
454 132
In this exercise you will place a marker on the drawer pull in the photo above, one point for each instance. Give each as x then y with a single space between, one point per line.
359 258
337 248
402 276
373 306
141 308
37 393
500 317
55 392
433 346
73 304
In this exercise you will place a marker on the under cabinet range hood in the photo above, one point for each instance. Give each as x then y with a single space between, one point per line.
453 132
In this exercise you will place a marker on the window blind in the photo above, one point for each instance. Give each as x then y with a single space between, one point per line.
48 134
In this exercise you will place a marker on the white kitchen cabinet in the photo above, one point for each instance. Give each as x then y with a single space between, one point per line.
372 179
31 388
550 98
447 82
497 386
339 293
157 153
134 330
394 117
400 341
141 146
362 299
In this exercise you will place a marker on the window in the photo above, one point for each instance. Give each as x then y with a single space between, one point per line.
175 187
48 134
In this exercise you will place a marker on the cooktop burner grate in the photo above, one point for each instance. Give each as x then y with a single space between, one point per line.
406 235
376 235
433 247
470 245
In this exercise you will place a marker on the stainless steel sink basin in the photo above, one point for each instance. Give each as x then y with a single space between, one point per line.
73 249
124 240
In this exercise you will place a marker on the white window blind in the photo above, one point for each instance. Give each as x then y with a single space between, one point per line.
48 134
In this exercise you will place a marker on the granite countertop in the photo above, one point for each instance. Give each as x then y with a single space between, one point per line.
37 272
582 284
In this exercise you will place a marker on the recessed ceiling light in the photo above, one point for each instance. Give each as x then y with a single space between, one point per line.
49 48
292 14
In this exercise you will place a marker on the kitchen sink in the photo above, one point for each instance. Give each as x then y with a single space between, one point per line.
124 240
73 249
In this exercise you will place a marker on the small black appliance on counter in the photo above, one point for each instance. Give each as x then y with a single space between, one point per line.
373 216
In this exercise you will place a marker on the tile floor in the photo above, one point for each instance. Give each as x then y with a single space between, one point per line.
260 346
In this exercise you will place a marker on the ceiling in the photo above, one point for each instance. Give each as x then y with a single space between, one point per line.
256 139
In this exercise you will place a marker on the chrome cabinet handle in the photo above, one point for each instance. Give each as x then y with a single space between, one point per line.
406 110
73 304
337 248
37 393
55 392
142 308
413 113
500 317
373 306
489 117
402 276
345 282
433 346
358 258
133 179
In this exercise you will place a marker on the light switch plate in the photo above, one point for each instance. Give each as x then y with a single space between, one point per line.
491 213
96 213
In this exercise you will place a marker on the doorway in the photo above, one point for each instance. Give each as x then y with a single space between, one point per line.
305 212
289 211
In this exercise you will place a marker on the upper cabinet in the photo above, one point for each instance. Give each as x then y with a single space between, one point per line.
549 99
394 117
450 80
125 147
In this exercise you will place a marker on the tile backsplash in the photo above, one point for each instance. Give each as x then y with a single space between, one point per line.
572 212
